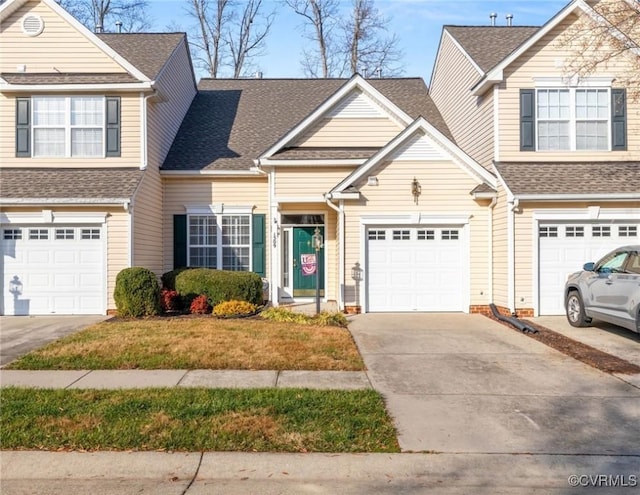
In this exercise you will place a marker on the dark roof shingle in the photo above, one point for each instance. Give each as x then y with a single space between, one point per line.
309 153
489 45
147 52
63 78
69 183
233 121
570 178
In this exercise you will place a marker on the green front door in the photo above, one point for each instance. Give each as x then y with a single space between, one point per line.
305 285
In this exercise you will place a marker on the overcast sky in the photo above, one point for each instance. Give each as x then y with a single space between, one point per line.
417 23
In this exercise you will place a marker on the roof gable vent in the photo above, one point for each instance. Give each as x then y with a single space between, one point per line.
32 25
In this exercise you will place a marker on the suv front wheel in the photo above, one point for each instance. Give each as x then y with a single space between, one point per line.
575 310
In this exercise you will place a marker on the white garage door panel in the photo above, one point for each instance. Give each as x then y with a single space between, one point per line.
61 270
565 247
415 269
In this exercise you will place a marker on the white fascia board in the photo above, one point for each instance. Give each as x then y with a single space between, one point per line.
342 195
134 87
503 183
56 218
579 197
415 219
357 81
475 169
9 7
485 195
63 201
496 74
584 214
299 199
208 173
313 163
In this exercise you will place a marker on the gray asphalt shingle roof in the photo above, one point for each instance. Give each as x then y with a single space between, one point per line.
489 45
64 78
567 178
147 52
69 183
232 122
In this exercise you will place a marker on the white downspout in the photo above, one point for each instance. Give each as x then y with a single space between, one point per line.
492 205
512 204
340 212
144 142
270 233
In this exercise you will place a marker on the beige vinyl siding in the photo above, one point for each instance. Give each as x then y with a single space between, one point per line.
307 181
175 84
500 250
202 192
59 48
469 118
349 132
445 192
130 138
117 250
541 60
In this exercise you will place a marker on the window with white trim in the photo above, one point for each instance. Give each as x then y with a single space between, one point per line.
377 235
573 119
220 241
68 126
627 231
65 234
89 234
12 234
38 234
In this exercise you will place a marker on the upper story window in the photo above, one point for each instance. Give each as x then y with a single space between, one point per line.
68 126
573 119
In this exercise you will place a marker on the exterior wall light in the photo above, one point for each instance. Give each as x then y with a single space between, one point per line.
416 189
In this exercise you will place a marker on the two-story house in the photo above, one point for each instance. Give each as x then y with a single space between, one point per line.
86 120
565 150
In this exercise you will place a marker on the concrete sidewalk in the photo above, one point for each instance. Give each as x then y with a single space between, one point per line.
229 473
117 379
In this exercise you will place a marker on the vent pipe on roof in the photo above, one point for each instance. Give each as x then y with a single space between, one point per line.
509 20
493 16
119 26
98 28
258 75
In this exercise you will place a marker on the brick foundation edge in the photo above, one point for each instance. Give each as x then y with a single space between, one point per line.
486 311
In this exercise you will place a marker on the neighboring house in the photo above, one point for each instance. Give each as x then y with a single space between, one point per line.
566 152
87 119
259 164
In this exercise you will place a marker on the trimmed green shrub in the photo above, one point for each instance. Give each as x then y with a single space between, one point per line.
169 278
137 292
220 285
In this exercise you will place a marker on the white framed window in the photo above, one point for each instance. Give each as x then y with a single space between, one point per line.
12 234
65 234
38 234
89 234
426 235
220 241
450 235
401 235
377 235
573 119
68 126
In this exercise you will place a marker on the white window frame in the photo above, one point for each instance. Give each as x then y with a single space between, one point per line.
573 119
219 237
68 127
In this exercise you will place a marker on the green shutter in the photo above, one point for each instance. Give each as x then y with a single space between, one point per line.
179 241
618 119
113 126
527 120
258 247
23 127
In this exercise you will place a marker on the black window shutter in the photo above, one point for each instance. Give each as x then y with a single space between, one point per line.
113 126
527 120
179 241
258 247
618 119
23 127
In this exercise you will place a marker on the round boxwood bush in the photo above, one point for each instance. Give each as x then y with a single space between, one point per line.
220 285
137 292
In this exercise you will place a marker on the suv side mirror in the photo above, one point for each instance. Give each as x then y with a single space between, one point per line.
588 267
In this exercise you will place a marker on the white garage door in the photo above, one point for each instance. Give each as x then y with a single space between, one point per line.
53 270
415 269
565 247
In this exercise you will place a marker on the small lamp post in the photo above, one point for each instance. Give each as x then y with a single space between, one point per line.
317 246
356 275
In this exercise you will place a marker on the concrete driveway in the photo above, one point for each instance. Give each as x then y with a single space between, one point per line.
457 383
22 334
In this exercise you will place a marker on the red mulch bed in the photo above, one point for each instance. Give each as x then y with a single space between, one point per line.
577 350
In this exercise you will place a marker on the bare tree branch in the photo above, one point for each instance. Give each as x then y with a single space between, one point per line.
246 39
104 14
212 17
607 41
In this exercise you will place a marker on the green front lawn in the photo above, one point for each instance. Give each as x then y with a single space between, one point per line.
199 343
264 420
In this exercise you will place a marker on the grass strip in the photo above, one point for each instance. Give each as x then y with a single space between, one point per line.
262 420
199 343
